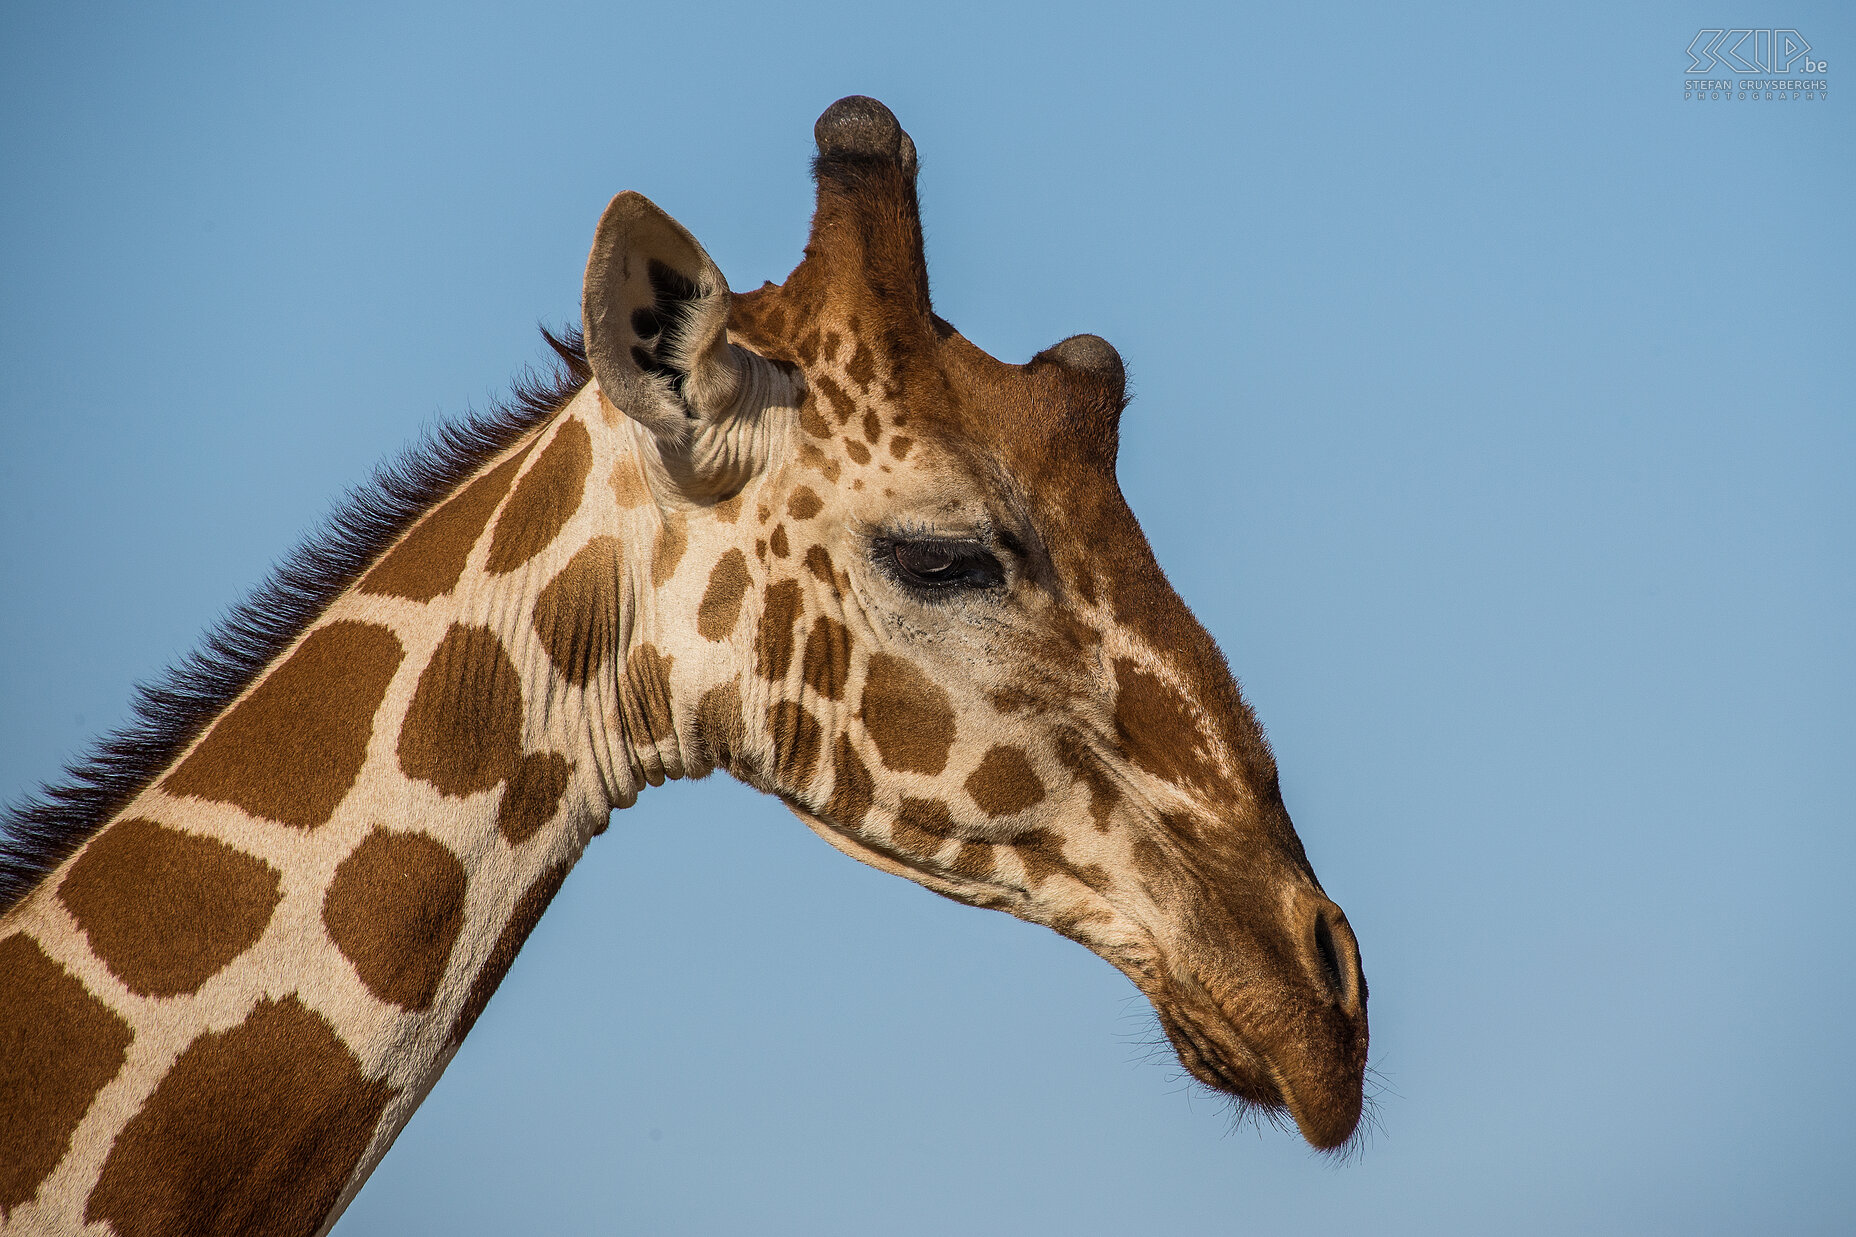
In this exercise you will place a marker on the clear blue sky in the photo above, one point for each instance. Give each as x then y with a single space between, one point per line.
1495 408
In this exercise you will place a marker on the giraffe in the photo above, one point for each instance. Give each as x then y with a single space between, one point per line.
808 535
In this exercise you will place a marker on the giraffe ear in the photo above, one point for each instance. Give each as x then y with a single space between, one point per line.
655 312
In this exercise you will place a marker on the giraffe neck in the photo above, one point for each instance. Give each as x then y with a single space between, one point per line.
243 985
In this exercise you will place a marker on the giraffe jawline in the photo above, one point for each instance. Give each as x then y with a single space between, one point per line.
895 863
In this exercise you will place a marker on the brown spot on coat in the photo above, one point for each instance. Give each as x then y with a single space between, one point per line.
728 510
1104 794
254 1129
899 446
532 796
721 732
463 730
58 1046
908 715
721 601
394 910
1041 851
818 562
921 826
290 750
167 910
862 366
828 657
1159 875
1157 728
974 861
842 405
1005 782
1010 699
773 643
812 420
778 543
509 942
851 786
873 427
646 697
812 457
672 540
577 613
797 742
428 560
804 504
857 451
629 488
774 324
546 497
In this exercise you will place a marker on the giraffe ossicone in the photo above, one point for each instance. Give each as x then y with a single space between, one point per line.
809 535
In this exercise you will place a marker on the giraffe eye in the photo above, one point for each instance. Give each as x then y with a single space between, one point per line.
938 563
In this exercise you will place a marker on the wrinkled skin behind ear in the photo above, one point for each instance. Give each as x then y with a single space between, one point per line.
654 309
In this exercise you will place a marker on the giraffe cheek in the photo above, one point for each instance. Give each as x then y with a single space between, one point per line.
828 658
1005 782
909 717
1157 728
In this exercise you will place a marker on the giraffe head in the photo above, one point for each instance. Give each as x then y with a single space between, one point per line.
920 611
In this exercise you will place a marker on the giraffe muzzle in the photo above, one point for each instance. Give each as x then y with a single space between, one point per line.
1275 1016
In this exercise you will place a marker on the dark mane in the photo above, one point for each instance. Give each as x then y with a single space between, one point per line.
40 832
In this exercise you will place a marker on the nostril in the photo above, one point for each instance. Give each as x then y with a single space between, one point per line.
1336 958
1324 949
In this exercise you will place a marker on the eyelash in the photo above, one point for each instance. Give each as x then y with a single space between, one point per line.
941 565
